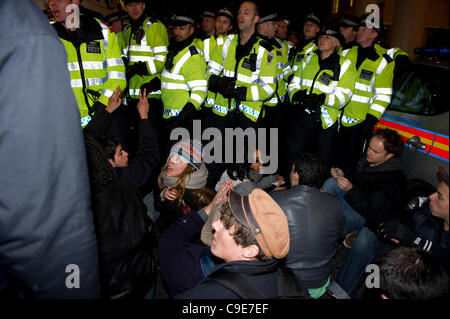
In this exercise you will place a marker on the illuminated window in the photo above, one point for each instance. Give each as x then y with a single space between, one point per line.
335 6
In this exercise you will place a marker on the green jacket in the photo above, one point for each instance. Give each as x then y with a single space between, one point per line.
183 80
94 63
337 83
255 71
373 87
151 48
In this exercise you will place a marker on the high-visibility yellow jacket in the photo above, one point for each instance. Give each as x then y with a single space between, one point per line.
183 80
148 45
336 84
256 71
373 86
298 54
208 45
284 70
94 62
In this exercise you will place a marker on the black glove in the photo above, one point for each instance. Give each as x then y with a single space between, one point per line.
223 85
152 86
186 114
298 97
368 125
395 229
241 93
139 68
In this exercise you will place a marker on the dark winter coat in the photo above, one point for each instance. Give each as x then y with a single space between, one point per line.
180 253
125 246
378 193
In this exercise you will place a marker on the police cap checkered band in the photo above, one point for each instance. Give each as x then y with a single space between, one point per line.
269 17
208 13
181 19
313 18
225 12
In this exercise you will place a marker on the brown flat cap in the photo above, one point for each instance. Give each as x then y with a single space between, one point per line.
262 215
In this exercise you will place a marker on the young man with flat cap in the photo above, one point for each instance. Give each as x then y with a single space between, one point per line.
250 233
244 237
184 85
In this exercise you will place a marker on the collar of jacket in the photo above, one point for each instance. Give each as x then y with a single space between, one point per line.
176 47
330 62
138 23
250 267
369 53
392 164
89 30
243 50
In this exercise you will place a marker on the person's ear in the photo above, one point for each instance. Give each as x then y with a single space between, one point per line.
111 162
251 251
389 155
295 178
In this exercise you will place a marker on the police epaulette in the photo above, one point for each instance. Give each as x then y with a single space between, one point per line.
388 58
266 45
153 20
193 50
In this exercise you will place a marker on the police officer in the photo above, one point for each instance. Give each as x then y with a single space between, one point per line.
184 85
93 58
241 76
267 28
94 63
372 94
208 25
348 27
320 88
308 43
224 24
145 52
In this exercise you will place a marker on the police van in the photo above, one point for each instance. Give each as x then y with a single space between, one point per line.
419 112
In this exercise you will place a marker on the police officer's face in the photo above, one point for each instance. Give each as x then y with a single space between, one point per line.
246 16
182 32
327 43
348 33
439 202
135 9
223 25
208 24
268 29
310 29
366 36
58 9
281 32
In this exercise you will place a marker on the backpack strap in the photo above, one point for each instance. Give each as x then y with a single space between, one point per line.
237 283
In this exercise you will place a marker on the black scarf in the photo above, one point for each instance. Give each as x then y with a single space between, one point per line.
174 48
366 53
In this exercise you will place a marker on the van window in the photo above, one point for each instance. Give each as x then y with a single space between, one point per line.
424 90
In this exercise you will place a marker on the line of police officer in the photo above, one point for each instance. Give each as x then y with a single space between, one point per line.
325 94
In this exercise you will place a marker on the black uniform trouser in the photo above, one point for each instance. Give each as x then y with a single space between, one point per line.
305 134
232 120
350 146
